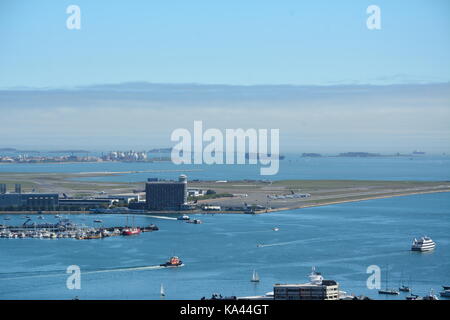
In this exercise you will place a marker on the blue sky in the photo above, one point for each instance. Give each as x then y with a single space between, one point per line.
223 42
112 84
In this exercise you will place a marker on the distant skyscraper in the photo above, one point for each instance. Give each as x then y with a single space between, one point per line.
2 188
18 188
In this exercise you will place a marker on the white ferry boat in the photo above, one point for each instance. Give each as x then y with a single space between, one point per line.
423 244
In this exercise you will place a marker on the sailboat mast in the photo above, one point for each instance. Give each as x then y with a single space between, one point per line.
387 276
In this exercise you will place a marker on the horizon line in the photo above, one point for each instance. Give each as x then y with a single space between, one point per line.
137 82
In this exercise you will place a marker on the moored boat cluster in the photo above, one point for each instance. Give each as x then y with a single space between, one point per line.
59 231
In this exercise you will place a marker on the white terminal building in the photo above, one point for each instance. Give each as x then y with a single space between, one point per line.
317 289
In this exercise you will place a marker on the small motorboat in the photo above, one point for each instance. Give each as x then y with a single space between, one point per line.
404 288
217 296
275 229
389 291
184 217
195 221
173 262
445 294
98 221
412 297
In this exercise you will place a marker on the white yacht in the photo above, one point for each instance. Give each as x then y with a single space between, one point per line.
423 244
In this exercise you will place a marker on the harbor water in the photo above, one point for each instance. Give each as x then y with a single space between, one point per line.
220 254
341 241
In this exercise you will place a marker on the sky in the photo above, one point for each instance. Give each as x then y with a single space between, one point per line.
137 70
223 42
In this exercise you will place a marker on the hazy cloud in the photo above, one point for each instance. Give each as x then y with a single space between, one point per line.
311 118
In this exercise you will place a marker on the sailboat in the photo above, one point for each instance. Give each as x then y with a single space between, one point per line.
255 276
388 291
161 291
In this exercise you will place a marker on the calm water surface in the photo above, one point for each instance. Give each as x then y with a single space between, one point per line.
433 168
220 254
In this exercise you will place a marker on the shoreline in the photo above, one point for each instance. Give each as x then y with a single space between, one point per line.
181 212
375 197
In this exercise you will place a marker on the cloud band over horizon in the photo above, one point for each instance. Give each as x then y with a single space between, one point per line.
388 118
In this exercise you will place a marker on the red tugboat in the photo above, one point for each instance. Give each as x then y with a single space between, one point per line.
173 262
131 231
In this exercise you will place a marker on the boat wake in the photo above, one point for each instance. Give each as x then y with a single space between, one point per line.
260 245
45 274
160 217
278 244
123 269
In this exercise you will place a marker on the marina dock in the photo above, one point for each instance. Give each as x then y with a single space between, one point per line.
66 229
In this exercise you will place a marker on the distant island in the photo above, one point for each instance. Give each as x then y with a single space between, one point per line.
69 151
160 150
257 156
313 155
359 154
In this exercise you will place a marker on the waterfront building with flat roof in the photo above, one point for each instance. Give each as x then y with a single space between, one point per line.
124 198
29 201
87 203
326 290
196 192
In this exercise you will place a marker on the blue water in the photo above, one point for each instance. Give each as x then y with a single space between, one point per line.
293 167
219 255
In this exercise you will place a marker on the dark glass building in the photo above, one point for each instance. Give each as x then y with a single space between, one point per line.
166 195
